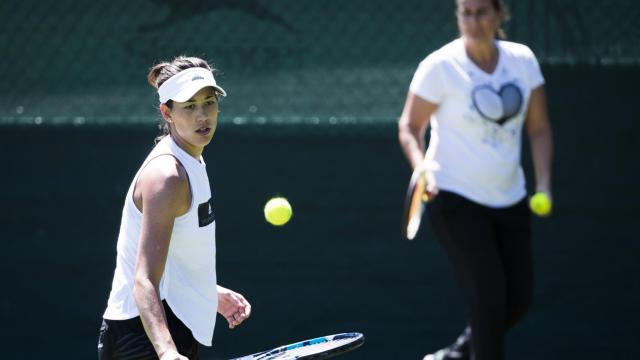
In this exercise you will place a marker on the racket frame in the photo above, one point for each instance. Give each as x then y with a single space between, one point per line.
414 204
280 351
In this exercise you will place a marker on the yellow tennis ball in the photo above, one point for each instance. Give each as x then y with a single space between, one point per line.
540 204
277 211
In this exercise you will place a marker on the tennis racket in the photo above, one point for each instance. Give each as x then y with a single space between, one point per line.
414 203
323 347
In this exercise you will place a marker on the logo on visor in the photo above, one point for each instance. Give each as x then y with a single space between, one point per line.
197 77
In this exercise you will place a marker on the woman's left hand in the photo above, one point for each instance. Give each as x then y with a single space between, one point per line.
233 306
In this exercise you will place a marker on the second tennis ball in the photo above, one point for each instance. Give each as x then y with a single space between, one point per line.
277 211
540 204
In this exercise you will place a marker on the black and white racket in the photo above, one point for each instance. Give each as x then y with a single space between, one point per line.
323 347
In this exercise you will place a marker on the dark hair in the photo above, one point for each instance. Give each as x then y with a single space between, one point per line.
499 6
161 72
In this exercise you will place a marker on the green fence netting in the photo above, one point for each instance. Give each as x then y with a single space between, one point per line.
282 61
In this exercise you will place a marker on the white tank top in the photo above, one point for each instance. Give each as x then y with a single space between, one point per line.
189 281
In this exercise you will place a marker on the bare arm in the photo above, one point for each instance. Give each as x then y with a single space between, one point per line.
233 306
540 139
412 127
163 189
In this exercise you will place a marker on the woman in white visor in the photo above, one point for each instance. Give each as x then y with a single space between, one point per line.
164 296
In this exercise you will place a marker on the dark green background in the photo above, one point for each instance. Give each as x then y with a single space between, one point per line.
340 265
311 116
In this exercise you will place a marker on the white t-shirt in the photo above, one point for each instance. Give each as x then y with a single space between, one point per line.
189 283
476 132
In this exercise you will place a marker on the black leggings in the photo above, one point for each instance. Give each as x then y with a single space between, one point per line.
127 340
490 251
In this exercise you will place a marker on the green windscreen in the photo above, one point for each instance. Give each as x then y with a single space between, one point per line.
281 61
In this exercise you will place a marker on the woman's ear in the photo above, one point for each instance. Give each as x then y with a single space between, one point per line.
166 112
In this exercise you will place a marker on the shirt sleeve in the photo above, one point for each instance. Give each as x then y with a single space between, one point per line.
533 70
428 81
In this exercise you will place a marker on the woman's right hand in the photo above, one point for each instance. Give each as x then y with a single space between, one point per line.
173 355
431 193
430 190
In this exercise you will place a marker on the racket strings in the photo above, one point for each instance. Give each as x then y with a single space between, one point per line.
320 347
317 348
311 349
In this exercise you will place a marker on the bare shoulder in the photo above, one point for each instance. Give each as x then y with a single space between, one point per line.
164 181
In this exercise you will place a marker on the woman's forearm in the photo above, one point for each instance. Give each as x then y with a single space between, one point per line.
541 142
412 143
153 316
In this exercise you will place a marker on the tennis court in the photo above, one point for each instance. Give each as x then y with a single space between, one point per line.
315 90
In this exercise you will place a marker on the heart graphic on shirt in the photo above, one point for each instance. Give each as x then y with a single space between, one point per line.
497 106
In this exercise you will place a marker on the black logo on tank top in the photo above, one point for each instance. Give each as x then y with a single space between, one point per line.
205 213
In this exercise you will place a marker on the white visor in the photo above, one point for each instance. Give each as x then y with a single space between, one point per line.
183 85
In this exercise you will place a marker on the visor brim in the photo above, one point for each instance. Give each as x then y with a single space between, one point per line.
188 92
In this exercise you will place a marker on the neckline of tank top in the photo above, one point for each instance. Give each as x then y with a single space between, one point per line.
197 162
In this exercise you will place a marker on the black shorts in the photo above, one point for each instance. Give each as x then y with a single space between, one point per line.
127 340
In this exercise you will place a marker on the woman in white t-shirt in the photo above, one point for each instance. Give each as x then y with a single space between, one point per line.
478 92
164 296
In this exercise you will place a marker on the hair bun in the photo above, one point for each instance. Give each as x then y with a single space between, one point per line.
154 73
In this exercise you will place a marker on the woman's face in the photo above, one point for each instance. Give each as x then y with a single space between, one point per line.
478 20
194 121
